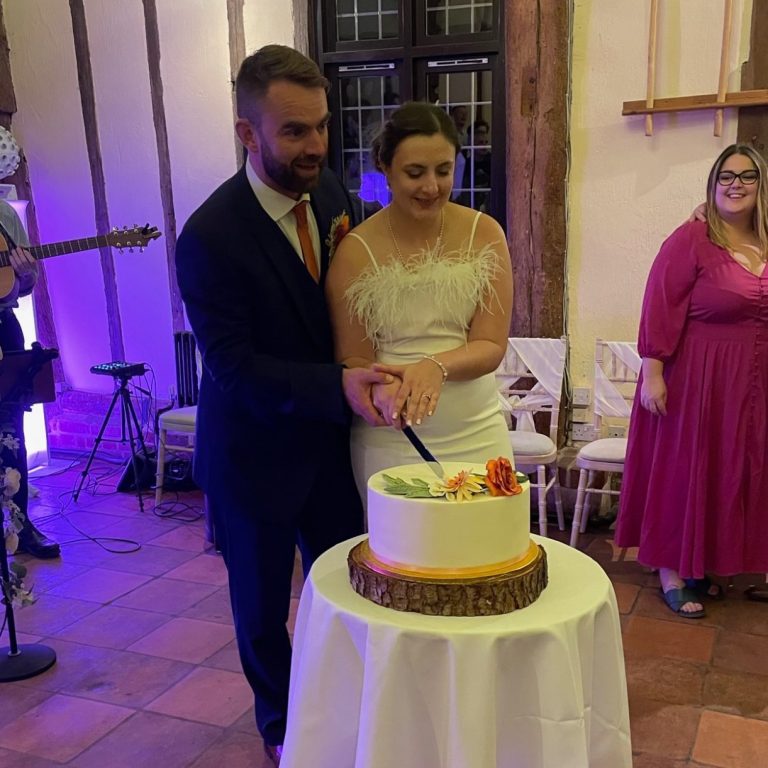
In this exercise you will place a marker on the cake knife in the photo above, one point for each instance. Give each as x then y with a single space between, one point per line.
431 461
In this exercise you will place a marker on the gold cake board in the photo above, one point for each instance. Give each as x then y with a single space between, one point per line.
487 595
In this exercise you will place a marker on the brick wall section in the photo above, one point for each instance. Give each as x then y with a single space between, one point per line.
75 419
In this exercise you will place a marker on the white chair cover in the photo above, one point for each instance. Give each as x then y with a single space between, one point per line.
609 401
545 358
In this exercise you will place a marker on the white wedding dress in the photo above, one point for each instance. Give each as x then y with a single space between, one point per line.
424 307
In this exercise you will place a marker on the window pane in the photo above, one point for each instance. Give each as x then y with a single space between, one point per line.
366 102
358 20
466 96
458 17
368 27
389 26
345 28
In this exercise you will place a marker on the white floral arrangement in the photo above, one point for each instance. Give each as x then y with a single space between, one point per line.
10 157
14 590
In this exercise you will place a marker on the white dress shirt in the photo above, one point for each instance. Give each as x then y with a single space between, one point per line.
279 208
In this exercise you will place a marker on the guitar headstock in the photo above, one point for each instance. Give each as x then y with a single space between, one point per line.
133 237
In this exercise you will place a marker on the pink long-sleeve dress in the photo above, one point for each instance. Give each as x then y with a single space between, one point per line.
695 490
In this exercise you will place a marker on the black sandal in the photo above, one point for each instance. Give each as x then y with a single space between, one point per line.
703 587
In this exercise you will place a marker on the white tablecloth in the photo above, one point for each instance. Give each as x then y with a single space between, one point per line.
543 687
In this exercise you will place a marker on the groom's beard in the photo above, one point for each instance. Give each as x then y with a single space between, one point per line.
288 175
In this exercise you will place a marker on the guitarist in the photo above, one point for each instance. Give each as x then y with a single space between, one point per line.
25 267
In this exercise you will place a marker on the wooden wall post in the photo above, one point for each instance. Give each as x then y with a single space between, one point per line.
538 51
753 122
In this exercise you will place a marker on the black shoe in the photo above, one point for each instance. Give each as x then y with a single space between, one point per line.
37 544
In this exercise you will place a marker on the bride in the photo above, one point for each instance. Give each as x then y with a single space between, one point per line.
423 290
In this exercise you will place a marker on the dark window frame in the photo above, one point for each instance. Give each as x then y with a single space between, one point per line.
410 53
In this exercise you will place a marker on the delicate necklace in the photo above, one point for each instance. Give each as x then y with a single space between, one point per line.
438 242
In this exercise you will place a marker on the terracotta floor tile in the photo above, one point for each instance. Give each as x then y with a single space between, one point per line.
234 750
205 569
246 724
741 653
731 742
292 612
16 700
646 760
99 584
739 615
9 759
50 614
669 680
182 639
166 596
187 537
741 693
108 675
43 575
670 639
149 560
89 553
74 523
217 607
297 582
112 627
227 658
667 730
139 529
148 740
626 594
213 696
61 727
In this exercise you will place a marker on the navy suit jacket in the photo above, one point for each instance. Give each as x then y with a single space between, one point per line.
272 418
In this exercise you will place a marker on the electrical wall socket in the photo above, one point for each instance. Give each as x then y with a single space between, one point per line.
582 396
582 433
616 430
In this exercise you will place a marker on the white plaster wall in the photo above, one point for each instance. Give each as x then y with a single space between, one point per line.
194 42
628 192
49 128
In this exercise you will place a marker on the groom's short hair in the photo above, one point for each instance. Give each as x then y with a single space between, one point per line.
267 65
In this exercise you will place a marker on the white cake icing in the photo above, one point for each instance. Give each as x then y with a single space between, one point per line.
434 533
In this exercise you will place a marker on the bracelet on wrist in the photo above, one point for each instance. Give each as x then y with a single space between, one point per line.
439 364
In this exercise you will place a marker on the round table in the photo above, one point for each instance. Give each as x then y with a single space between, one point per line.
542 687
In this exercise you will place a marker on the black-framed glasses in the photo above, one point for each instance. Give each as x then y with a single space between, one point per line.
726 178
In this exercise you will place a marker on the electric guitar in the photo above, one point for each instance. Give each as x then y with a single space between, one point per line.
136 237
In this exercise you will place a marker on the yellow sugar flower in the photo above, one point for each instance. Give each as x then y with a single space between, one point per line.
458 488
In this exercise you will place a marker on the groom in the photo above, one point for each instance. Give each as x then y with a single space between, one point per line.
272 444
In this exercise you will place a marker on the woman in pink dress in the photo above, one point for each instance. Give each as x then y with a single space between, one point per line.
695 492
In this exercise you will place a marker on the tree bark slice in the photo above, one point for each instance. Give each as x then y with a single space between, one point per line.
485 596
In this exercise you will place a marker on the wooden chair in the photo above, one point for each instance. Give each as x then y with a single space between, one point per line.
617 366
541 361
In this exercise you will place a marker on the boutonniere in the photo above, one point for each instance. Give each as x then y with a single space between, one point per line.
339 228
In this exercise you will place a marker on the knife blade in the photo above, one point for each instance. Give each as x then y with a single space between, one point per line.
423 451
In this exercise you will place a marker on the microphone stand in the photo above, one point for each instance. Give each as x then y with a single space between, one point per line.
21 661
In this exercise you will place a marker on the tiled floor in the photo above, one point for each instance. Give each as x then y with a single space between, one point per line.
147 672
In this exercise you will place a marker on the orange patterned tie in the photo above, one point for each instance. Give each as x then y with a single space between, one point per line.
307 249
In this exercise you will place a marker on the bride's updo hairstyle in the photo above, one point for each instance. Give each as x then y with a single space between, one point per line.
414 118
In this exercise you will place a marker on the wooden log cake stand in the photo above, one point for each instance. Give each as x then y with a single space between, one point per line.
487 595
